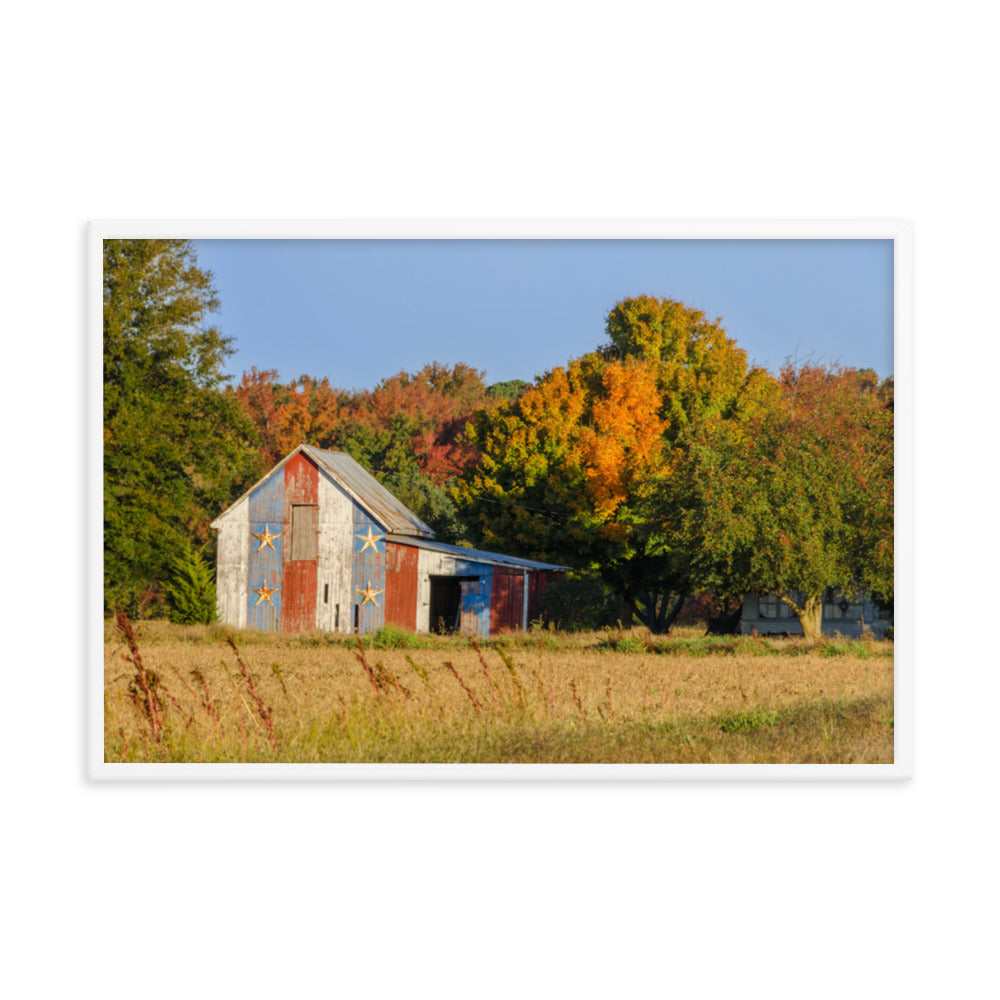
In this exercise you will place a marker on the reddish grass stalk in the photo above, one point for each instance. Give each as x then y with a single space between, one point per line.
607 693
486 670
243 731
264 712
465 687
576 698
206 700
384 671
144 680
508 663
360 654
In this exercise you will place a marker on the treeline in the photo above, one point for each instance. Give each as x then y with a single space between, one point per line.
409 430
659 465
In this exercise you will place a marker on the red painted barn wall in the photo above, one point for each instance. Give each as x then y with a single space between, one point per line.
298 594
401 586
506 600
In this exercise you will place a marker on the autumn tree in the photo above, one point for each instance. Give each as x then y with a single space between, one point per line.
407 431
794 494
177 447
305 411
566 471
580 468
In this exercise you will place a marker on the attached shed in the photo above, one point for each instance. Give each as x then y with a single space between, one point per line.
319 543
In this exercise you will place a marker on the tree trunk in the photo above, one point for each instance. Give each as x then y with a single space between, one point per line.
674 612
727 621
656 612
810 616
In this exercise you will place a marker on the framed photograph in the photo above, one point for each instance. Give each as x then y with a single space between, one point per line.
507 500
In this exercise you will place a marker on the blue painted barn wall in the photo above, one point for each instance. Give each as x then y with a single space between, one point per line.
264 566
476 599
368 572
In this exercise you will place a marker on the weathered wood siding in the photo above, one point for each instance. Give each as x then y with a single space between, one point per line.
335 560
401 586
429 563
368 573
476 596
507 599
233 554
266 510
298 592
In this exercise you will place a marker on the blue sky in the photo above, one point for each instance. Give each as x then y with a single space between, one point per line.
357 311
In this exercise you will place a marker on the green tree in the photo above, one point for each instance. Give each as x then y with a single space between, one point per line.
794 494
177 447
190 592
513 389
580 468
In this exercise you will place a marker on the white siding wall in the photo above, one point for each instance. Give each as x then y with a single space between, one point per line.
865 615
231 569
428 562
335 557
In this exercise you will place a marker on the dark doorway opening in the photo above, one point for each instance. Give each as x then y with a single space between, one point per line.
446 602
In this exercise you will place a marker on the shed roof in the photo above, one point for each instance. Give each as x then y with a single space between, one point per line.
473 555
361 485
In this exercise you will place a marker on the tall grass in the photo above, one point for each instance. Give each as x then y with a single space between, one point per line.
446 699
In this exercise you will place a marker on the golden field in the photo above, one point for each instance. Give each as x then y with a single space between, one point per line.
191 695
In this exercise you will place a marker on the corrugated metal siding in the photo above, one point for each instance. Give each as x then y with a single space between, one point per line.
368 573
401 586
507 600
266 514
298 592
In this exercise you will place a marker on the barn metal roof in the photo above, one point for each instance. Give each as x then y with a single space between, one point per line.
361 485
473 555
390 512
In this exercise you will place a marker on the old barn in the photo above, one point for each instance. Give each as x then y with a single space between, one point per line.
319 543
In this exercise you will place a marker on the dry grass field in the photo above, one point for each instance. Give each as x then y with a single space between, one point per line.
188 694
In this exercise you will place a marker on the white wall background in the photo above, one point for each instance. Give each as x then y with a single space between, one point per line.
523 109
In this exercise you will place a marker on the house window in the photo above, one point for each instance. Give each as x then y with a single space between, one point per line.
774 607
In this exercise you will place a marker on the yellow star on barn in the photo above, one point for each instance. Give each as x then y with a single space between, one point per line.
370 542
264 593
369 595
266 538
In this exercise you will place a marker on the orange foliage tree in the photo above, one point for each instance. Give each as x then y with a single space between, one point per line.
408 430
577 471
